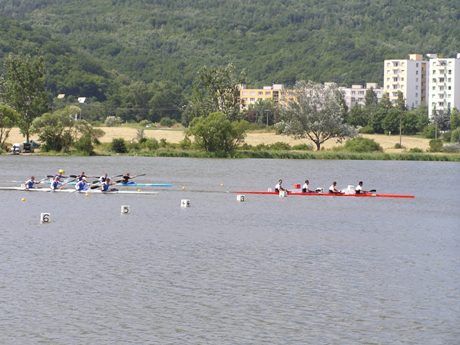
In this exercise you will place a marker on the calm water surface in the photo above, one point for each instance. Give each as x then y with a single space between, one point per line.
270 270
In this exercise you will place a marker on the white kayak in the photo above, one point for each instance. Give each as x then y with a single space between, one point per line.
89 191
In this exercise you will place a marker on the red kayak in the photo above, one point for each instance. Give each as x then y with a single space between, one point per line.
362 195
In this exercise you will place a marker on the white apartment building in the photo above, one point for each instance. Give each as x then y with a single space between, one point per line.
356 94
409 77
276 93
444 84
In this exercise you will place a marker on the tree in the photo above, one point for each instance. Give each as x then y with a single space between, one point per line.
24 89
371 99
261 112
317 114
216 133
216 90
385 102
454 119
8 119
57 130
401 102
357 116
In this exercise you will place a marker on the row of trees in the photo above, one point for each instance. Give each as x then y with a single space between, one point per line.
25 103
212 113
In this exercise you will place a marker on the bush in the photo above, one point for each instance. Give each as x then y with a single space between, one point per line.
446 136
366 130
429 131
455 136
398 146
451 148
151 144
280 146
167 122
185 143
118 145
435 145
144 123
112 121
85 145
360 144
302 147
415 150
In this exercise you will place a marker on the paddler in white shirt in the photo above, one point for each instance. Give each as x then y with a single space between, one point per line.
305 187
279 186
359 188
333 188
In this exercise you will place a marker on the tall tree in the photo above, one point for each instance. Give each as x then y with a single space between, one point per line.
317 114
8 119
24 89
217 90
371 99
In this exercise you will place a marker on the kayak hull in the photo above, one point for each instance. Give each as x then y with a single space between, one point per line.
313 194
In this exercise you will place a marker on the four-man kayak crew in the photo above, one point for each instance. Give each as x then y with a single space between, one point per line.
30 183
81 185
279 186
333 188
305 187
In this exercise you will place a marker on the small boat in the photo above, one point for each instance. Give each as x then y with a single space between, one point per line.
361 195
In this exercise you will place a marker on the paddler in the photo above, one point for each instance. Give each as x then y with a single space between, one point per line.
359 188
105 186
333 188
57 179
305 187
103 178
81 176
81 185
30 183
279 186
125 178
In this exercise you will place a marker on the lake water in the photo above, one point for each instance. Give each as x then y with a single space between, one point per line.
269 270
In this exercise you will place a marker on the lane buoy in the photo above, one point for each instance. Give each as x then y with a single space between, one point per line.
185 203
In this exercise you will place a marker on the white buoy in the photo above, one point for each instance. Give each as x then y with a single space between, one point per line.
283 193
125 209
185 203
45 218
240 198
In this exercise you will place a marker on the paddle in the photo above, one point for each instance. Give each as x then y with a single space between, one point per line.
131 177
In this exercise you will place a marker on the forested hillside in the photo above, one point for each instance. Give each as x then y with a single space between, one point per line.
274 41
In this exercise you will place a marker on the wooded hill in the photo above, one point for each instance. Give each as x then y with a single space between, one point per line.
92 46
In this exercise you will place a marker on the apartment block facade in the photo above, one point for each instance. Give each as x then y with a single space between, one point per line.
444 84
408 76
356 94
276 93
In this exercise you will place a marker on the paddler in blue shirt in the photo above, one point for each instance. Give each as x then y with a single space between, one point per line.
81 185
57 180
30 183
105 186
